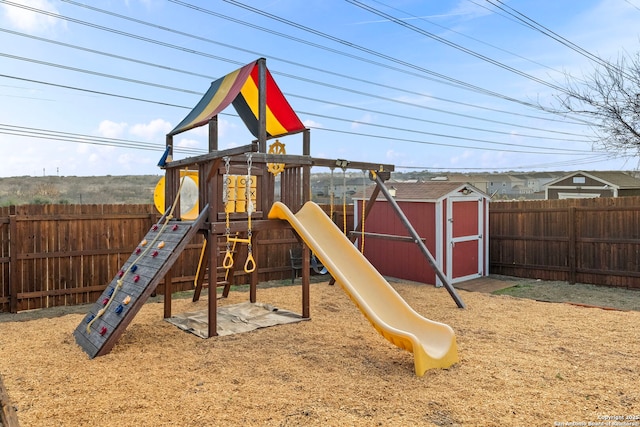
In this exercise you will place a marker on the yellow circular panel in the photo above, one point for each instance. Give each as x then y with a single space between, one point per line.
188 195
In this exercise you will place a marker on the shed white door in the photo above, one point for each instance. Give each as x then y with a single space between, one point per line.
465 238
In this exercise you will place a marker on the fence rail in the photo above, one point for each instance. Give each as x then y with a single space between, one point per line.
53 255
593 241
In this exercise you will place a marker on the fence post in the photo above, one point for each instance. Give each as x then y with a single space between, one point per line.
572 244
13 261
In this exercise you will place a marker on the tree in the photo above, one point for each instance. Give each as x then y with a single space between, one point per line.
610 97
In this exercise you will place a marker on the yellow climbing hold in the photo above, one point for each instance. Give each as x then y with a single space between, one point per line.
161 245
143 243
127 300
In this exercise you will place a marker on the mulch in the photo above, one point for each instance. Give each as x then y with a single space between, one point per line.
522 362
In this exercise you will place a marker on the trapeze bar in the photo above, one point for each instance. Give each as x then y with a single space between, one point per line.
239 240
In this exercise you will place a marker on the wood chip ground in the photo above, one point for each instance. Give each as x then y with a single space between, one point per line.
522 363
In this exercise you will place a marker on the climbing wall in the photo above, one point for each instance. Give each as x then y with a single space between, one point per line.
133 284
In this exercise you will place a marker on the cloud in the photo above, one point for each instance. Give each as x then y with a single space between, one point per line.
29 21
393 155
153 130
312 124
367 118
110 129
188 143
466 154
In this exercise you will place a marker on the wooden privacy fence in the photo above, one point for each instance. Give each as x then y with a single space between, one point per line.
593 241
55 255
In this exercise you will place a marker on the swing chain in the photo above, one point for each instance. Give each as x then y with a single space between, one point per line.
250 264
225 197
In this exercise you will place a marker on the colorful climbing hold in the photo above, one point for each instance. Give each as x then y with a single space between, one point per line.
103 330
154 254
138 250
175 227
91 317
136 279
110 291
120 273
105 301
134 268
143 243
127 300
160 245
119 309
155 227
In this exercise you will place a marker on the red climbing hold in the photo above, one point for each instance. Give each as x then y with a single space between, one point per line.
103 330
138 250
105 301
154 254
155 227
175 227
135 279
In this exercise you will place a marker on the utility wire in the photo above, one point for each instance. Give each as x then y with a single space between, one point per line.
48 134
173 88
562 151
454 45
536 26
322 70
383 56
467 36
312 81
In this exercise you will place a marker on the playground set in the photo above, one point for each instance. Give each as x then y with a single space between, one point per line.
236 202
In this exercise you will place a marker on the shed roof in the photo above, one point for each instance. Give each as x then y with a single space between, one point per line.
426 191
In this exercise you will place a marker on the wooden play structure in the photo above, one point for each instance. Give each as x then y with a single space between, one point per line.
237 188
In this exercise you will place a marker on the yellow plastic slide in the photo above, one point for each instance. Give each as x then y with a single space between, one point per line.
432 343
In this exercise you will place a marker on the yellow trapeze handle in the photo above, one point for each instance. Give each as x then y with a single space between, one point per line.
227 262
239 240
250 264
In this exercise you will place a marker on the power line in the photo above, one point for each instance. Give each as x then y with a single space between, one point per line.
168 45
48 134
536 26
381 55
467 36
454 45
322 70
173 88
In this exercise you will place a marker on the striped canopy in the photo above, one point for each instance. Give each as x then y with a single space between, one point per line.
240 88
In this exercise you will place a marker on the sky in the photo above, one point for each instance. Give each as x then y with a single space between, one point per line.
91 88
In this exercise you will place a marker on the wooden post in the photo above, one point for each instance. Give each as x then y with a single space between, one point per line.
262 105
253 277
13 261
571 250
306 261
168 279
212 243
8 417
213 134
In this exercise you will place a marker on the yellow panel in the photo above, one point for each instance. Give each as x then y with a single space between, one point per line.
188 195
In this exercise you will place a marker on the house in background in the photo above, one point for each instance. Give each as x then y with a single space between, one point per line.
593 184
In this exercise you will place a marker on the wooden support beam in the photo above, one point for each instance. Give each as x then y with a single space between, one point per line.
355 234
8 417
192 161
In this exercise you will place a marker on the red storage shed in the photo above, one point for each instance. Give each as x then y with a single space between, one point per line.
451 218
